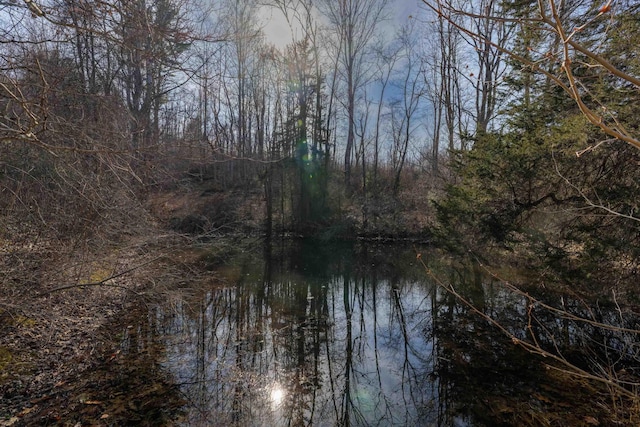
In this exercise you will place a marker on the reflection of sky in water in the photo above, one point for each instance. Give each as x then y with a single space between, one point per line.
251 359
325 344
322 343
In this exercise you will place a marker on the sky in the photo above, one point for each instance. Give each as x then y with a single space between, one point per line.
276 27
279 34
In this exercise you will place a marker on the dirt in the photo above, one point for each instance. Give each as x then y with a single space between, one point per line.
204 209
62 359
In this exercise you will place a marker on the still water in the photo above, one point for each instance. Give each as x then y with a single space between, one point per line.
312 334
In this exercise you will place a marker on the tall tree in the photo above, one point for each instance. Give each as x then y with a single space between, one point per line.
387 56
574 32
447 81
152 38
410 85
354 22
303 60
525 181
489 59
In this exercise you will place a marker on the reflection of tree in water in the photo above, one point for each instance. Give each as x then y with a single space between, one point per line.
307 341
477 359
315 337
474 361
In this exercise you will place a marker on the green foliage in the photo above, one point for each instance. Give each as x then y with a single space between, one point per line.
524 187
528 187
499 182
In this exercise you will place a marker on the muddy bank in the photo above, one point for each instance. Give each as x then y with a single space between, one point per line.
67 354
206 209
121 383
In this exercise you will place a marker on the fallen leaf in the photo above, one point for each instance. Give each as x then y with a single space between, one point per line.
9 422
25 411
541 398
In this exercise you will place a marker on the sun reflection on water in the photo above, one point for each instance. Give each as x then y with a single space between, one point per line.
277 394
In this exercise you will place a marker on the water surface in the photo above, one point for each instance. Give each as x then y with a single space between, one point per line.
307 333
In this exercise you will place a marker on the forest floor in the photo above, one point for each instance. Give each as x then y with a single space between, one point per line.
61 354
67 306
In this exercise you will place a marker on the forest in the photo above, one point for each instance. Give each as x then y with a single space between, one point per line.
505 132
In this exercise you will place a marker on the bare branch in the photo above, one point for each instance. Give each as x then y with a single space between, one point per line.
590 202
550 21
34 8
104 281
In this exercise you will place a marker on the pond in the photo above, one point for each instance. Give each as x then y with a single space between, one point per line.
316 334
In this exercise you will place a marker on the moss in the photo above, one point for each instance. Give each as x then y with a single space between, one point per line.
27 322
99 274
5 358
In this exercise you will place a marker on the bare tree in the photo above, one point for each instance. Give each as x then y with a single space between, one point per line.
386 60
444 80
563 27
489 59
354 23
412 90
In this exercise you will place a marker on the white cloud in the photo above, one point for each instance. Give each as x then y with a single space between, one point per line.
275 26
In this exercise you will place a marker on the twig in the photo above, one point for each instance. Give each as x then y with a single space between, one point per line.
586 198
615 300
534 347
101 282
